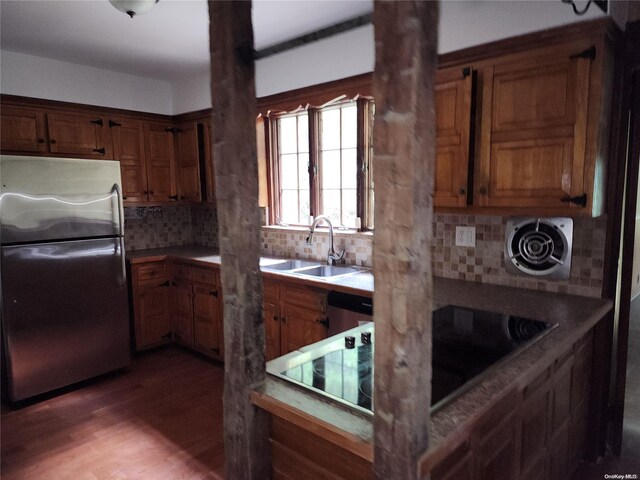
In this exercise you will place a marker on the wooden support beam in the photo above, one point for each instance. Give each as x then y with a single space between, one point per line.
234 152
404 154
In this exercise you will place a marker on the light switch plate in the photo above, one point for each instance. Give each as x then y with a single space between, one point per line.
465 236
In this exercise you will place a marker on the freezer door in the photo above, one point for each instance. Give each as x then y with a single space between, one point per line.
58 199
65 313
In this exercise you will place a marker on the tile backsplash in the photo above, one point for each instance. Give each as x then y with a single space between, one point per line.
154 227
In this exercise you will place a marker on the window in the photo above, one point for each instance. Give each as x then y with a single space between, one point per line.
320 165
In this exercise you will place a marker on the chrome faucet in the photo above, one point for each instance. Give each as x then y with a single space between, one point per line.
332 256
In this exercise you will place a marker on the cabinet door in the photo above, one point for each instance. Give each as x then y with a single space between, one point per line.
534 124
188 162
496 458
153 321
128 148
210 182
22 130
183 312
453 124
161 179
78 134
300 327
272 330
207 319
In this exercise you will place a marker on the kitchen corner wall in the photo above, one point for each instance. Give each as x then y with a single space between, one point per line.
484 263
155 227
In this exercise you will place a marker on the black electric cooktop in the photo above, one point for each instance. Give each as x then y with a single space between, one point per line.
466 344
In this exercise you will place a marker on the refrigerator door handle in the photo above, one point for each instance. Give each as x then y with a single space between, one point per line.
118 192
123 264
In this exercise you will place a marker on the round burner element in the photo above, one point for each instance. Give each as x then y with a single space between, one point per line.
365 388
539 246
523 329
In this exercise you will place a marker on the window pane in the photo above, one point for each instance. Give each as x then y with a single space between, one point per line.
349 168
303 132
305 209
349 208
330 168
303 170
350 126
289 169
331 205
288 135
289 206
330 139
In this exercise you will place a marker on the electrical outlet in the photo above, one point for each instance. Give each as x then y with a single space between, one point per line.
465 236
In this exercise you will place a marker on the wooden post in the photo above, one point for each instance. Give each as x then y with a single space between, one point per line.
234 152
404 154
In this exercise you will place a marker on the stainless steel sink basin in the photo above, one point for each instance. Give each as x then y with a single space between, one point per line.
327 271
290 265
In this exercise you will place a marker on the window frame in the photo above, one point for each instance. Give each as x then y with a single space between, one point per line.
364 121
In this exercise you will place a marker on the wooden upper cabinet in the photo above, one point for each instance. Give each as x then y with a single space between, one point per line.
159 148
128 148
22 130
453 125
78 134
188 162
210 183
534 130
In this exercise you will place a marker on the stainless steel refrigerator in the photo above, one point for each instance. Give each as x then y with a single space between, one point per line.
65 315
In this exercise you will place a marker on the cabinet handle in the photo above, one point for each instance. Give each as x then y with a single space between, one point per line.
284 319
41 140
124 197
462 191
214 293
114 124
98 122
580 200
324 321
150 192
99 150
165 284
173 197
52 141
275 317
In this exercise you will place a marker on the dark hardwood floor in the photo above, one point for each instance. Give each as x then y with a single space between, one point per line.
161 419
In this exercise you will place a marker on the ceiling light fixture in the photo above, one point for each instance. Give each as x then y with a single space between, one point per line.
133 7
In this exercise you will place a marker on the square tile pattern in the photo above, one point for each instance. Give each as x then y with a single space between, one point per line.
182 225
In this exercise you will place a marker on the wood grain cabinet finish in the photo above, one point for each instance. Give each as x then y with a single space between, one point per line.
197 311
129 149
75 134
535 149
161 175
453 124
151 304
188 162
23 130
295 316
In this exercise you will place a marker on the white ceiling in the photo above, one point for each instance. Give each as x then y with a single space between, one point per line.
170 42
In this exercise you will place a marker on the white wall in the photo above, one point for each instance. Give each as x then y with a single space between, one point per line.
38 77
462 24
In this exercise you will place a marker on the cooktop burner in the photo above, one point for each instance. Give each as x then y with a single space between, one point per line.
466 344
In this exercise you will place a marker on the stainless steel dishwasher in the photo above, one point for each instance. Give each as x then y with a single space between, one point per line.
346 311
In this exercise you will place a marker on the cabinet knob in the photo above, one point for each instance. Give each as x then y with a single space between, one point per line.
150 192
100 150
462 191
284 319
41 140
324 321
275 317
214 293
483 190
52 141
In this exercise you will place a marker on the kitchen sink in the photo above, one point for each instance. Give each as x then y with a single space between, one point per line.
290 265
327 271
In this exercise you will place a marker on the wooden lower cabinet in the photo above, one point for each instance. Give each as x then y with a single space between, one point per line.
151 304
197 308
294 315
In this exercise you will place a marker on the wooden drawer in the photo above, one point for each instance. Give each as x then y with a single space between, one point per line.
208 276
305 297
182 271
151 271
